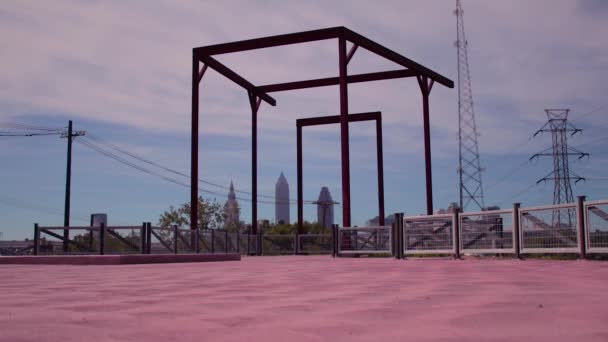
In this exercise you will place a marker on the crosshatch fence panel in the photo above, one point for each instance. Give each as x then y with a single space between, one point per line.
432 234
596 226
487 232
365 240
549 229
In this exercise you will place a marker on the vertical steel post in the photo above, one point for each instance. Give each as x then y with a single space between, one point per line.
142 238
149 238
344 140
68 182
102 238
380 168
238 242
425 88
254 161
212 241
226 241
580 220
175 236
300 181
36 239
194 147
516 231
248 242
456 220
197 246
296 247
259 242
400 235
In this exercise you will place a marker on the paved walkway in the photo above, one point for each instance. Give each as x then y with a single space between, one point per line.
307 299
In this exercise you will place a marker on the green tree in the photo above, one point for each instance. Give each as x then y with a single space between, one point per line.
209 215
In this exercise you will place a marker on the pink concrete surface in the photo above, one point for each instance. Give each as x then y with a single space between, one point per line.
304 298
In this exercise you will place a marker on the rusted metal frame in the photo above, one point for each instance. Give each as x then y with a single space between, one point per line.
202 72
351 53
391 55
331 81
236 78
425 89
344 141
271 41
194 147
324 120
254 103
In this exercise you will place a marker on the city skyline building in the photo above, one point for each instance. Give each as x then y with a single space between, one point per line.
325 208
281 205
231 209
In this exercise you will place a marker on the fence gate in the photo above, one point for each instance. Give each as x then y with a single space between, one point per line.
365 240
487 232
596 226
549 229
433 234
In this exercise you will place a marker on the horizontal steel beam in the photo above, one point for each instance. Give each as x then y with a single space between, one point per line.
391 55
334 119
272 41
236 78
330 81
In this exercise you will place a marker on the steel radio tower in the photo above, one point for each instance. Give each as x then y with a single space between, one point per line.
469 168
560 128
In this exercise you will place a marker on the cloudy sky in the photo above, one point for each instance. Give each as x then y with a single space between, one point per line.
121 71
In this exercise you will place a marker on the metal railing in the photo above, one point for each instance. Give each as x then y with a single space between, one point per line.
549 229
278 244
433 234
314 244
487 232
365 240
596 226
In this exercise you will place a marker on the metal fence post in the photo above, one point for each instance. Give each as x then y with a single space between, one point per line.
260 237
175 232
102 238
36 239
400 236
516 230
394 239
580 219
336 239
149 238
212 241
333 240
296 247
248 241
142 238
238 241
456 224
226 241
197 244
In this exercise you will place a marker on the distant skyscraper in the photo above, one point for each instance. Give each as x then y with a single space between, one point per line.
281 198
231 209
325 208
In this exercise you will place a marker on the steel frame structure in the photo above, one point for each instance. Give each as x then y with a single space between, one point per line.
426 78
327 120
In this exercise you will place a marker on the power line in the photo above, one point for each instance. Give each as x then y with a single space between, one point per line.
8 134
28 127
592 111
35 207
124 161
182 174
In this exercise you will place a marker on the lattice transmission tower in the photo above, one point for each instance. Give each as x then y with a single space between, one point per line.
560 129
469 165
